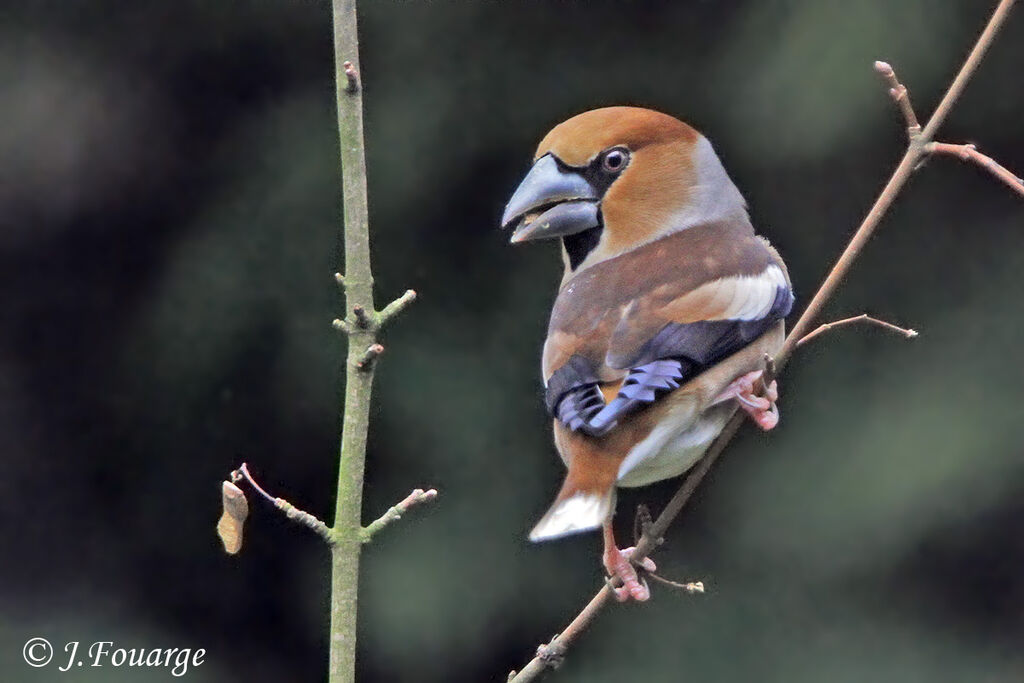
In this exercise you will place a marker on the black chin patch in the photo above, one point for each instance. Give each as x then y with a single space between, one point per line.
579 245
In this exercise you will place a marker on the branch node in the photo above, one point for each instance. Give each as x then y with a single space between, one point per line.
394 513
352 77
363 319
396 307
342 326
552 654
642 522
369 357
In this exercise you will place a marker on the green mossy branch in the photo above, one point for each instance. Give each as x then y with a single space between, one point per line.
346 537
362 326
395 512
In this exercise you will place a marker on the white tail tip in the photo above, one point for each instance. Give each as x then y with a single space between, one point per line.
579 512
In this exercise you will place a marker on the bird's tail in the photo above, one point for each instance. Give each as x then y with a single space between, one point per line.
576 508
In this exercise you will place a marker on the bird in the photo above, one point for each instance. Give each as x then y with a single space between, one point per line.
668 306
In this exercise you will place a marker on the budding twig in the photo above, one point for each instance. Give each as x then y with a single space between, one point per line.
291 512
396 307
901 96
394 513
862 318
342 325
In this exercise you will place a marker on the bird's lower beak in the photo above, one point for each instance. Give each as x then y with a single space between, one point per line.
551 202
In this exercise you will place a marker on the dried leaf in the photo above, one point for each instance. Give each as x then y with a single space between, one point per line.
236 509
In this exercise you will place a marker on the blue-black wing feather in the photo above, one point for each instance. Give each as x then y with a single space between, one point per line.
673 356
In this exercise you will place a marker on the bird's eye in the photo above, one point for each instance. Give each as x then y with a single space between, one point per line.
615 160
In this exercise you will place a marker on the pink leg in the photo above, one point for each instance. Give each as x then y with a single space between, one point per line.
762 409
617 564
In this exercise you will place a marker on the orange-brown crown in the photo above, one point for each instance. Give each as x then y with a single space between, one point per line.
579 139
658 183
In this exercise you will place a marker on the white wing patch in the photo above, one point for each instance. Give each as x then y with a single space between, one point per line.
755 294
742 297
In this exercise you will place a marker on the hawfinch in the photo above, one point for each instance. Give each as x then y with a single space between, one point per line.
667 307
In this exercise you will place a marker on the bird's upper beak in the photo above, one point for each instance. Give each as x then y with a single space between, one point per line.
551 202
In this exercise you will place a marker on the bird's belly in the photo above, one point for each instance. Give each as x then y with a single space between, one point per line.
668 452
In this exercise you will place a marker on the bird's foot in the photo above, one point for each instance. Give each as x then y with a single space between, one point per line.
762 409
618 565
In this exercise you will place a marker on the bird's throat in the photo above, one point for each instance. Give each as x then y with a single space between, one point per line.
579 245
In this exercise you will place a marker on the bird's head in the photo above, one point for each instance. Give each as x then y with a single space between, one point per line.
609 180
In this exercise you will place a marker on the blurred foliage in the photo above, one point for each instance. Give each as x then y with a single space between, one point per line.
168 232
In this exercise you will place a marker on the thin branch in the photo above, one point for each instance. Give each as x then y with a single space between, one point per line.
358 281
971 153
395 307
689 586
862 318
901 96
560 643
243 473
913 155
899 177
967 70
291 512
394 513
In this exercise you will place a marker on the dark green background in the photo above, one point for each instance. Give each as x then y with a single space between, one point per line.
168 234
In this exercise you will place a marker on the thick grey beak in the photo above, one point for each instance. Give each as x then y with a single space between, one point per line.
551 203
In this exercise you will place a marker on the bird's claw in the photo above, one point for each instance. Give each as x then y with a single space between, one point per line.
619 564
762 409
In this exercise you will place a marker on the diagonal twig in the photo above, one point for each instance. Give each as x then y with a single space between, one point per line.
395 512
971 153
291 512
862 318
